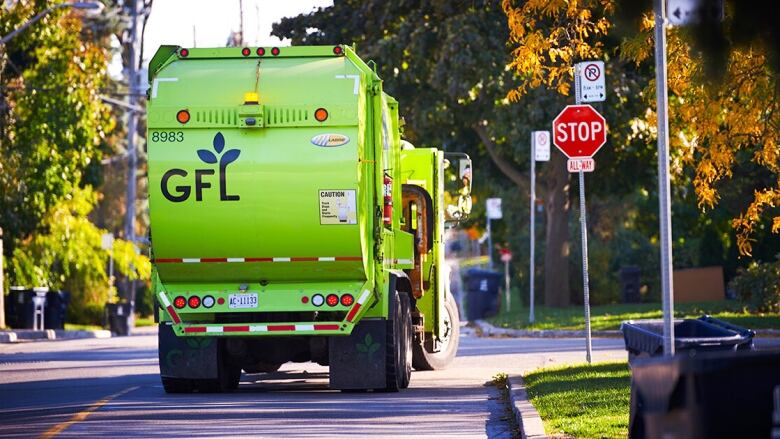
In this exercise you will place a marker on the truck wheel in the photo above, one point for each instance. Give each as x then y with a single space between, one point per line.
176 385
397 361
425 360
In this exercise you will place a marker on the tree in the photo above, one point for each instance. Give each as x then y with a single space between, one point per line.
718 128
446 63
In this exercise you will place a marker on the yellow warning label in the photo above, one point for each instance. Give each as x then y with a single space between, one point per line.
337 206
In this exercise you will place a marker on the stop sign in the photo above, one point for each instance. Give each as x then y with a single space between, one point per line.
579 131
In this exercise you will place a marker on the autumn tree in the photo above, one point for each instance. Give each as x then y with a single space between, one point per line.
717 128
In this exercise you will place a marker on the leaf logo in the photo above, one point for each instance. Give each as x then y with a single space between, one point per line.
230 155
368 347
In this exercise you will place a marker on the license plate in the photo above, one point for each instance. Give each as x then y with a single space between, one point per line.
248 300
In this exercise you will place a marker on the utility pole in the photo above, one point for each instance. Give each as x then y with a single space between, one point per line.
132 127
241 22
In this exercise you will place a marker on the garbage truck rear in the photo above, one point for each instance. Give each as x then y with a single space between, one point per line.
290 222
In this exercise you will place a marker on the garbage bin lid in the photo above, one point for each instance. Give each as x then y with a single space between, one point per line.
41 289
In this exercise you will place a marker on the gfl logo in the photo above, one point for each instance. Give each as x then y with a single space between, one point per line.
183 191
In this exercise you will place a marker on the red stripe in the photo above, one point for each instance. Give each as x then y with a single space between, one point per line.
172 313
235 329
281 327
353 312
297 259
195 329
326 327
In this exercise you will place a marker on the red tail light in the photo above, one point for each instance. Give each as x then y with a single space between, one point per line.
245 51
260 51
184 53
275 51
194 302
332 300
347 300
180 302
338 50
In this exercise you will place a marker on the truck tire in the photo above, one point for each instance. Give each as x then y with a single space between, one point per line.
398 364
425 360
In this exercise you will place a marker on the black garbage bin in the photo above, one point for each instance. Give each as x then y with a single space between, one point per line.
629 284
25 307
482 293
645 337
120 317
56 308
729 394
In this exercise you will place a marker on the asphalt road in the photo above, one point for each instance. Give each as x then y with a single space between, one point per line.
110 387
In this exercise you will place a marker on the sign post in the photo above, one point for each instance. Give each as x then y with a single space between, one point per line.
540 152
579 132
506 257
664 186
493 210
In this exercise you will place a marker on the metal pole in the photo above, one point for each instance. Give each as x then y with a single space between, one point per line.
2 283
585 282
532 264
506 284
490 245
132 120
664 199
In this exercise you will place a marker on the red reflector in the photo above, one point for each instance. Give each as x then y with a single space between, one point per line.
260 51
275 51
304 299
347 300
184 53
221 300
321 114
194 302
332 300
245 51
338 50
183 116
180 302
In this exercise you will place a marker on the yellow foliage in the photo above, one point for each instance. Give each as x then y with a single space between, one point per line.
709 124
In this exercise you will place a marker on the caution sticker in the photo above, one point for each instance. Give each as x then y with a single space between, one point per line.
337 206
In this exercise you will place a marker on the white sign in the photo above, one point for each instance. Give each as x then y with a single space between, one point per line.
493 208
337 207
541 145
107 241
589 81
581 164
685 12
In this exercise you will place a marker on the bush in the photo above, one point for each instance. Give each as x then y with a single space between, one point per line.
758 286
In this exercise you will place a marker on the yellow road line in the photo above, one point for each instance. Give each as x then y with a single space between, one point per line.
82 415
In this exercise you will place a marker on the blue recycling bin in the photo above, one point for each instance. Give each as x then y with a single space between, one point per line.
482 288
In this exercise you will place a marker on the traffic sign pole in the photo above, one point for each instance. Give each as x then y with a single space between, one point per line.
664 199
585 280
531 316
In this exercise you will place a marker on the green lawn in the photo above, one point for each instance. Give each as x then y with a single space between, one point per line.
139 322
583 401
609 316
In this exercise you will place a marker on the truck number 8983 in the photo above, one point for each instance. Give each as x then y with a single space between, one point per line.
167 136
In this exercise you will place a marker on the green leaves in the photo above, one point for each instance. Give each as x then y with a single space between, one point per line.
368 347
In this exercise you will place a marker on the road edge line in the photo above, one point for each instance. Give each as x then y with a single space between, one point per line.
531 425
83 414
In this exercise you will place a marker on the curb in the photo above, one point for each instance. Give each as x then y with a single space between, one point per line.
50 334
531 426
488 330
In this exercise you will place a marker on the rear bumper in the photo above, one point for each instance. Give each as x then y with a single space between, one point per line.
195 329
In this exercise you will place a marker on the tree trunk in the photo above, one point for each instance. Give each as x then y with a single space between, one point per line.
556 255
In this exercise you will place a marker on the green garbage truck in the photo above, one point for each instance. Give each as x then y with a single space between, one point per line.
291 223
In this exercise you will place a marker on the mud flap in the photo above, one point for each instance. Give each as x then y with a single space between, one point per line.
358 361
187 357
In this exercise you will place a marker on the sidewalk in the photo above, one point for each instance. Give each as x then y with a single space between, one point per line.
19 335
